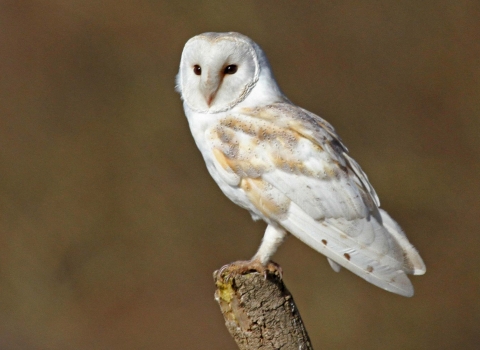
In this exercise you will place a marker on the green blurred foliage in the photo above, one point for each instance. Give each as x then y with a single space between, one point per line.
110 226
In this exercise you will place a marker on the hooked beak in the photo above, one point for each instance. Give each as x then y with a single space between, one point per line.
209 88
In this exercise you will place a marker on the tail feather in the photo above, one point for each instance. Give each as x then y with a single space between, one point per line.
413 262
380 270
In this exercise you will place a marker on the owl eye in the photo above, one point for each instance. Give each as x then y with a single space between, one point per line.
231 69
197 69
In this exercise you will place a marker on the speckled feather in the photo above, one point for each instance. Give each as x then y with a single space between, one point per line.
288 167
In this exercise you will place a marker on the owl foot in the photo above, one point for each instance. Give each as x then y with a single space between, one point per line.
243 267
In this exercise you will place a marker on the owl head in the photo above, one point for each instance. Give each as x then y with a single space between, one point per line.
220 70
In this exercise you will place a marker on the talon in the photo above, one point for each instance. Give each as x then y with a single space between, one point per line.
229 271
220 272
227 277
279 270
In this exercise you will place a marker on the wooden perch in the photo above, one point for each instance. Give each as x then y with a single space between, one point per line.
260 312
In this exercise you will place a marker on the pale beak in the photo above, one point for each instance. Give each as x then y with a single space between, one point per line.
209 87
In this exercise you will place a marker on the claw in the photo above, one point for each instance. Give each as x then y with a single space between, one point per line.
229 271
279 270
220 272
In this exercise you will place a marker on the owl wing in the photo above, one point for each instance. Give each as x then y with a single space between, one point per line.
295 171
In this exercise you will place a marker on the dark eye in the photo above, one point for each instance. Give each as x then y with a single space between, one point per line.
231 69
197 69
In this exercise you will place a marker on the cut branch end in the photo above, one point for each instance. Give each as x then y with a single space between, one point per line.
259 311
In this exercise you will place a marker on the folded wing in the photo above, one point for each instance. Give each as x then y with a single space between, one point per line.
296 172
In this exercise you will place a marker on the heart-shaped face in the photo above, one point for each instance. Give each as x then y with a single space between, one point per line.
217 71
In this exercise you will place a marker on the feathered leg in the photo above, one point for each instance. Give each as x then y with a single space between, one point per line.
273 237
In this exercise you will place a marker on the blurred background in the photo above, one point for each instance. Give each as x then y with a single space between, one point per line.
111 227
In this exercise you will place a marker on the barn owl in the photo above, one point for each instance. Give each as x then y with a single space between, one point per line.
286 165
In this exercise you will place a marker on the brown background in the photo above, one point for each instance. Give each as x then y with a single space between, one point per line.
110 226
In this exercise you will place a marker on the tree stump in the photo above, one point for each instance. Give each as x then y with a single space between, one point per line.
260 312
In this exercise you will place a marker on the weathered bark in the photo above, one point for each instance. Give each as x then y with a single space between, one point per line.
260 312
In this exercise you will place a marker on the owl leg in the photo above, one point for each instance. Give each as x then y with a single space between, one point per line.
274 236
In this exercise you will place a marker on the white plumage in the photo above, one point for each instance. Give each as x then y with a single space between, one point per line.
286 165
